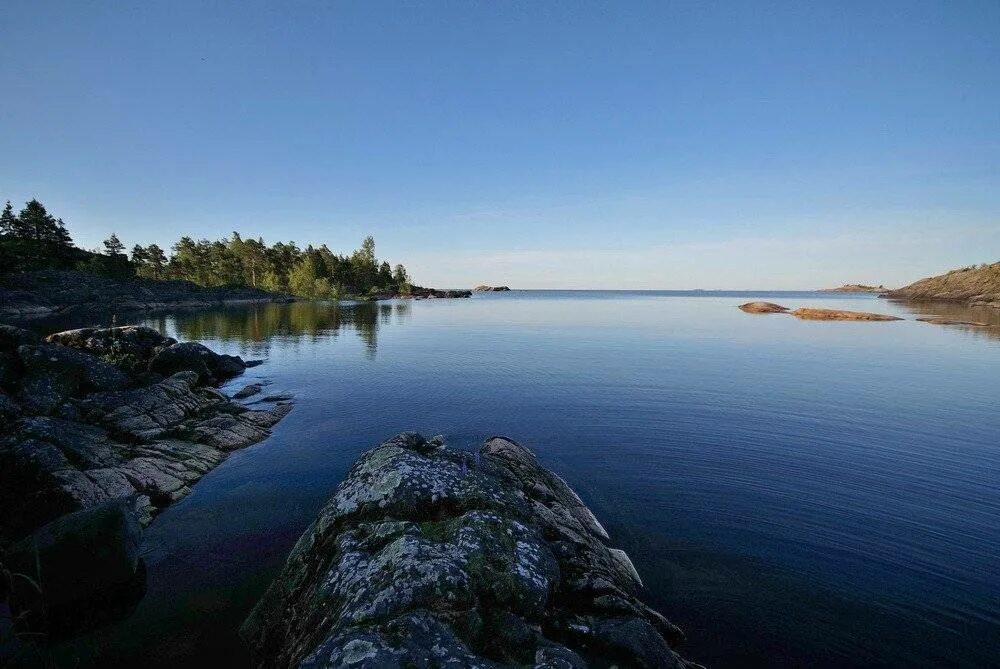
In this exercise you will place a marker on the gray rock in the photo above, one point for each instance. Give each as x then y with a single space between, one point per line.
79 432
248 390
129 346
428 556
198 358
54 373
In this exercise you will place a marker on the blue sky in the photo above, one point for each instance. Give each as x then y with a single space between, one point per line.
537 144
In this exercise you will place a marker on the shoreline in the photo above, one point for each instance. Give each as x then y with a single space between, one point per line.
102 429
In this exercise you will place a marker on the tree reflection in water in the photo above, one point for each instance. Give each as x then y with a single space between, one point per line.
254 326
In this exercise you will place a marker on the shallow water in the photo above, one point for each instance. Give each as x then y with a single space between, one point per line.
793 493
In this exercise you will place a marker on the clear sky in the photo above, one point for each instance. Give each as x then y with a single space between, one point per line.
536 144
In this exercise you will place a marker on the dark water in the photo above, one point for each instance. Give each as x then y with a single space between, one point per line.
794 493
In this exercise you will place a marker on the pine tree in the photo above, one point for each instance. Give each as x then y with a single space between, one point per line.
113 246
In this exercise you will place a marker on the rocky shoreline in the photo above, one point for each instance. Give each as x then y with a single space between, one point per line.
48 293
429 556
101 429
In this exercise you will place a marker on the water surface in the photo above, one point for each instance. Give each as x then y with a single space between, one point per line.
793 493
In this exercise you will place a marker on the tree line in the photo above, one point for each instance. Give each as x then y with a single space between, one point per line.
33 239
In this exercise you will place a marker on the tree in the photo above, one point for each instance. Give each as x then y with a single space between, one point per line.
156 260
113 246
9 223
302 278
401 280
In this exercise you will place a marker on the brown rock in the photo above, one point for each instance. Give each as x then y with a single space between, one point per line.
951 321
763 308
838 315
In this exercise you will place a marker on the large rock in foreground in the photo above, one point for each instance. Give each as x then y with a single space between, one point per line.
432 557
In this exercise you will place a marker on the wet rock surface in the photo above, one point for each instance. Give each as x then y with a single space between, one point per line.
88 417
427 556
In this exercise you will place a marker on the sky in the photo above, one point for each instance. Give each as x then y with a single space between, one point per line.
537 144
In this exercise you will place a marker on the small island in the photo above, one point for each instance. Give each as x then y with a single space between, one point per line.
975 285
854 288
490 289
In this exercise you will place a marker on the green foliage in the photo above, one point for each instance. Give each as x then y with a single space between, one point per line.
34 239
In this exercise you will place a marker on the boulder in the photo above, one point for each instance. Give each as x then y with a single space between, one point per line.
12 338
763 308
432 556
198 358
54 373
131 345
81 554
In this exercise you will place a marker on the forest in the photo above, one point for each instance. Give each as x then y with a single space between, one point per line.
34 239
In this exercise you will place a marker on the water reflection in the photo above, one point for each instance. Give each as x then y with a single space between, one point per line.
988 316
256 326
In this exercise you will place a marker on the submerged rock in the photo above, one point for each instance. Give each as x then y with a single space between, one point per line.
810 314
432 557
763 308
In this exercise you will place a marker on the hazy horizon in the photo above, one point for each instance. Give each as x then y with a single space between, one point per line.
560 145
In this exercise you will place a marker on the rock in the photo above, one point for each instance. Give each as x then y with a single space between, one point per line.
951 321
837 315
12 338
81 554
248 390
129 346
54 373
763 308
198 358
9 408
490 289
429 556
77 432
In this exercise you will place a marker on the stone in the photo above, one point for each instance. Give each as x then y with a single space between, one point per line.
839 315
80 554
12 338
428 556
763 308
77 432
198 358
246 391
54 373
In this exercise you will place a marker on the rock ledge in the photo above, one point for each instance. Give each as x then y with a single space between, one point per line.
428 556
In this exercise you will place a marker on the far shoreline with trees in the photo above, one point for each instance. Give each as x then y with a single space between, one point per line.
33 239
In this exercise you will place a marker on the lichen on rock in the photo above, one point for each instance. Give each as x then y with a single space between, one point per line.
428 556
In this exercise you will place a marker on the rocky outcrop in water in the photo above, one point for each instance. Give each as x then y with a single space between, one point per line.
428 556
45 293
976 285
811 314
490 289
95 415
763 308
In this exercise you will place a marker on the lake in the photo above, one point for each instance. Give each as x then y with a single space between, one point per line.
794 493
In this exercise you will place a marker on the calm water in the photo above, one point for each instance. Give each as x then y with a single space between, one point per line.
793 493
